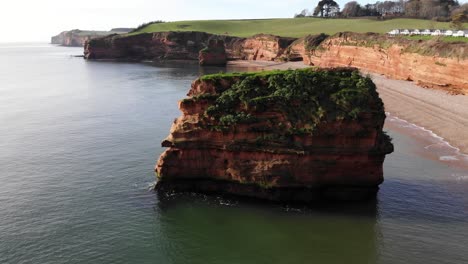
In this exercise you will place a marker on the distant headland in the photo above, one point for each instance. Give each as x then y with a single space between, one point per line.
77 38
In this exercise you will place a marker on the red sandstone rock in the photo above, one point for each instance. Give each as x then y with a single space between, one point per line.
429 63
265 47
301 49
213 54
184 46
341 159
151 46
423 62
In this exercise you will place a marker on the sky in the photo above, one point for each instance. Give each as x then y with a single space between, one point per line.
32 20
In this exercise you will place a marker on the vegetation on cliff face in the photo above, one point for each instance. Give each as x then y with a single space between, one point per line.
303 98
311 42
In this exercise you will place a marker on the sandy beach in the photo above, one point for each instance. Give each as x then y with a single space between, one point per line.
444 114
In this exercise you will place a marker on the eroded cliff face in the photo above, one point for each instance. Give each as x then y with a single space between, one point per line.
265 47
301 49
78 38
214 54
286 136
70 39
184 46
428 63
149 46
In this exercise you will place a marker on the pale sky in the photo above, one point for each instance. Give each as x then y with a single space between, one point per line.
38 20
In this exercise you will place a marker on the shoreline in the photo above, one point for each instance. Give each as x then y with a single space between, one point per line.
437 111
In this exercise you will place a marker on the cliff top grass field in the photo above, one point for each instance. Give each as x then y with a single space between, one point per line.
293 27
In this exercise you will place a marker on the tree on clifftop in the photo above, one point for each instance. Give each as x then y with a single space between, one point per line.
352 9
327 8
459 16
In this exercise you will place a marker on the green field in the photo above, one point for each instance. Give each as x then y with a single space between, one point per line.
446 39
290 27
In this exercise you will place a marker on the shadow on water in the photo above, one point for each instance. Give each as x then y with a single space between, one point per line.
167 201
214 229
202 70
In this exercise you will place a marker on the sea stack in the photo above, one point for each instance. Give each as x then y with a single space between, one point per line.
214 54
295 136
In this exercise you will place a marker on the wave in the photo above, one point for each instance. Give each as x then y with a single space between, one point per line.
446 151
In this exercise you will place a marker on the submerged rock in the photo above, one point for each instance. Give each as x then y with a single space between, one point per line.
296 135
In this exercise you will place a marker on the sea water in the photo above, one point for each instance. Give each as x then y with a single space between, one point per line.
78 144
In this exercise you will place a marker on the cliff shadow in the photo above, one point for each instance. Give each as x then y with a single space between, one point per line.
214 229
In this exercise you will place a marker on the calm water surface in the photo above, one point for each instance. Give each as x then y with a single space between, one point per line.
78 143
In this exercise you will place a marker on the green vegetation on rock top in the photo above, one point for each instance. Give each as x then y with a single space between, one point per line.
304 97
240 75
288 27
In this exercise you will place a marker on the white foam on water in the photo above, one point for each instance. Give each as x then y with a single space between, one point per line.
448 158
440 141
151 185
460 177
225 202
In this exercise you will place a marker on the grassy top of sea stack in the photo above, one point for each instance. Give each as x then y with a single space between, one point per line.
304 98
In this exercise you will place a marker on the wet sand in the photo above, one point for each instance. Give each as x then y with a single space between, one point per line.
444 114
435 110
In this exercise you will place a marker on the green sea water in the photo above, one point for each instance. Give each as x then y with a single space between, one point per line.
78 143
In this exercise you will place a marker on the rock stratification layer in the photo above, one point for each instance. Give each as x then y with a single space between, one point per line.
184 46
284 135
149 46
432 63
213 54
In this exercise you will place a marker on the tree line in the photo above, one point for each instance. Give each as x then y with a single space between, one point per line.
441 10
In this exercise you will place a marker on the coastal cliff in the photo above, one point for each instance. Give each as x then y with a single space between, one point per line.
433 63
78 38
184 46
265 47
296 135
149 46
213 54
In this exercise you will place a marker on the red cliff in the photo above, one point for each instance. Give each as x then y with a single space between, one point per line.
184 46
284 135
213 54
429 63
149 46
265 47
